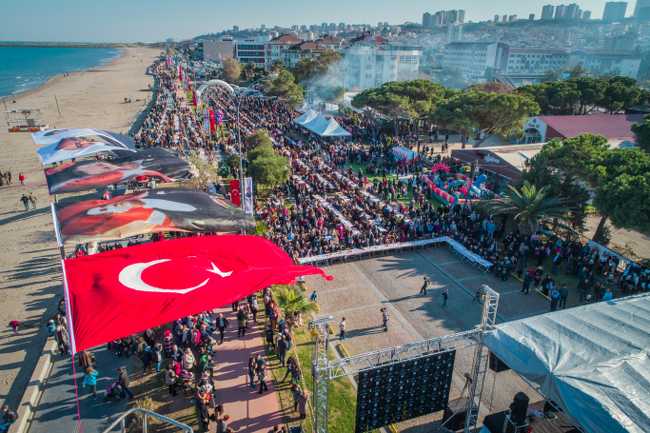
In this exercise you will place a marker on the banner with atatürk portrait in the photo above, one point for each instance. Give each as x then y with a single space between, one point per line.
153 211
89 174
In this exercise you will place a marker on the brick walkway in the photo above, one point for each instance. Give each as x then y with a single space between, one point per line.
249 411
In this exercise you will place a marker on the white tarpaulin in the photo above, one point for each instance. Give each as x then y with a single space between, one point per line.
325 126
64 144
591 360
306 117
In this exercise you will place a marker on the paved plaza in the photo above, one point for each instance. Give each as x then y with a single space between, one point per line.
361 288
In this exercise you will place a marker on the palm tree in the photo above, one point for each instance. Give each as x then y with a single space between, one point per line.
527 206
292 300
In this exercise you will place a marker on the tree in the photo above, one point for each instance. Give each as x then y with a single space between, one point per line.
642 133
270 171
527 206
291 301
204 173
231 70
620 93
284 85
623 190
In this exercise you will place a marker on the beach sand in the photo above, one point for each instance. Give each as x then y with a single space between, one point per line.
30 271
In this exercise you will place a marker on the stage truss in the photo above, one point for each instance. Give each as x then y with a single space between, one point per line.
324 369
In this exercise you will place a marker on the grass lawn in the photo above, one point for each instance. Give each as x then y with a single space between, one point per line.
342 395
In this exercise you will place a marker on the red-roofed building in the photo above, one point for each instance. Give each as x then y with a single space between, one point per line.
616 128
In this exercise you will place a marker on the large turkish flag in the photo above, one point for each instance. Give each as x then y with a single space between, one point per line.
121 292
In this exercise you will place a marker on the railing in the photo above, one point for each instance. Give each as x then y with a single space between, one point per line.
145 414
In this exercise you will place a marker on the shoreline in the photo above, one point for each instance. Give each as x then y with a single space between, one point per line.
54 79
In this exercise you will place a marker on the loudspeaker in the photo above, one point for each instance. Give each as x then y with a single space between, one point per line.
455 414
496 364
519 408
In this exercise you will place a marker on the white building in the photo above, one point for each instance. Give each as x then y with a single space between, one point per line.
251 51
614 11
547 12
642 9
368 66
530 64
606 63
474 59
275 49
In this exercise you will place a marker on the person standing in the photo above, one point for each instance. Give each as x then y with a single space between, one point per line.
90 380
252 363
261 374
425 285
528 280
282 349
241 322
445 296
555 298
32 200
342 326
123 380
222 324
564 294
170 379
384 318
21 178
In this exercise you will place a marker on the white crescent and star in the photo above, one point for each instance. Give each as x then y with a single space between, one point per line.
131 276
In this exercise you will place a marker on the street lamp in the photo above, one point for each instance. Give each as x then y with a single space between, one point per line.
228 88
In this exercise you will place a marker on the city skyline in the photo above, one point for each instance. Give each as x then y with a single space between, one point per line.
151 21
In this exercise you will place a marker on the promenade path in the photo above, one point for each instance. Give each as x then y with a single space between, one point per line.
250 412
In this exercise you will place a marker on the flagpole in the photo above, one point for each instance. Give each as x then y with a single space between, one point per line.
68 310
57 231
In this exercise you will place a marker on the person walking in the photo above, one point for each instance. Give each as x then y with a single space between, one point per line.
564 294
425 285
384 318
222 324
445 296
525 286
25 201
21 178
90 380
252 364
32 200
261 374
342 326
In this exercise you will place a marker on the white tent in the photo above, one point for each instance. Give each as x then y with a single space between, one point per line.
306 117
593 361
326 127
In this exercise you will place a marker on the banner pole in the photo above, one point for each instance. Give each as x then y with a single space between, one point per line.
57 231
68 311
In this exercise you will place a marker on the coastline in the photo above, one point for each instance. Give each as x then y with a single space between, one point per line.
58 77
31 283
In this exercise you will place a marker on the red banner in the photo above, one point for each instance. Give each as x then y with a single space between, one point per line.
213 121
121 292
235 193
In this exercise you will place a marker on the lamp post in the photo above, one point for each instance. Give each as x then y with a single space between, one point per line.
227 87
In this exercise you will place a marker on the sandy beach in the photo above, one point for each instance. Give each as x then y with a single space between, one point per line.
30 281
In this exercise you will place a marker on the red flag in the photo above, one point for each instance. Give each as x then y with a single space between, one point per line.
235 193
124 291
193 97
213 121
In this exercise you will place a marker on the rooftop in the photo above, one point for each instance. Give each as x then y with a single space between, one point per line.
610 126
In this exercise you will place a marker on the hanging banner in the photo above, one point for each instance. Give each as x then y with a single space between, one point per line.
121 292
146 212
89 174
65 144
249 208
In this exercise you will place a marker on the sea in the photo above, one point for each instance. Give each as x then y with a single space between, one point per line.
24 68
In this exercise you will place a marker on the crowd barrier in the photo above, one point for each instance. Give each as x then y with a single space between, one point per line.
360 253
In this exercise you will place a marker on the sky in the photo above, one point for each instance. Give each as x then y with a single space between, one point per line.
157 20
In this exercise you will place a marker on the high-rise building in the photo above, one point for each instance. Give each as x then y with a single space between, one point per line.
642 10
496 18
586 15
461 16
560 12
531 17
547 12
573 12
504 18
512 18
614 11
427 20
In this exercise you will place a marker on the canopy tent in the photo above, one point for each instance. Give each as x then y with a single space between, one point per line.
592 361
306 117
64 144
146 212
325 126
90 174
401 153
